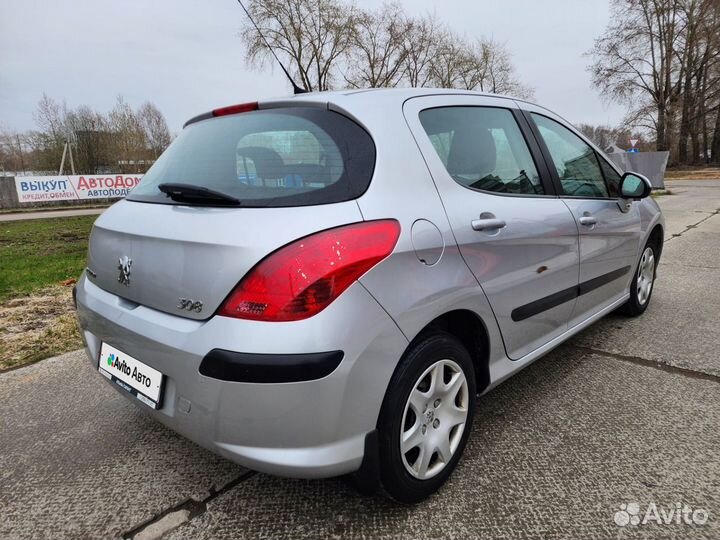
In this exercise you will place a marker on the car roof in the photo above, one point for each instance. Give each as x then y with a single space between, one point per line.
358 100
370 94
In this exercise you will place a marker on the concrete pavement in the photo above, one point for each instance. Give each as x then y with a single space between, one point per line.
692 202
683 328
626 412
45 214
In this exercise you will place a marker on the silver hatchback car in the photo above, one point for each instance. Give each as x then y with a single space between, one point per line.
322 285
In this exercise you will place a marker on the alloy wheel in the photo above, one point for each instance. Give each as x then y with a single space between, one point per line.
646 275
434 419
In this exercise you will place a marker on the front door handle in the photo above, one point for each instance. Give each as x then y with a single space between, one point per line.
484 224
588 221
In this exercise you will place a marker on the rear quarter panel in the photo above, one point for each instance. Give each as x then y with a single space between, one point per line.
412 292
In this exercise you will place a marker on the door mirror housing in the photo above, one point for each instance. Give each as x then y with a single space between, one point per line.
634 186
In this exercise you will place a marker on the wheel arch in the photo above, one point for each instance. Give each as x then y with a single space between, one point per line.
469 328
656 237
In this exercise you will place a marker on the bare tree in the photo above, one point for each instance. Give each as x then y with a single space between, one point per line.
713 116
421 40
491 70
100 143
12 151
309 36
473 67
49 118
636 61
696 56
483 65
88 132
320 39
606 136
450 60
47 143
128 136
378 52
661 58
701 89
156 129
603 136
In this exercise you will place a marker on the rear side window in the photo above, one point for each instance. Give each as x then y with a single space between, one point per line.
482 148
575 161
271 158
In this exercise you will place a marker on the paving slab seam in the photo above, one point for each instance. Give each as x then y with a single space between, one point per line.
690 265
194 508
685 372
676 189
693 226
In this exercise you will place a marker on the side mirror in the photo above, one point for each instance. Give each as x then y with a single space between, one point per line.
634 186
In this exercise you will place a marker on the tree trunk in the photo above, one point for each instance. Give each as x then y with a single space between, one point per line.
661 126
685 120
695 137
703 112
705 157
715 152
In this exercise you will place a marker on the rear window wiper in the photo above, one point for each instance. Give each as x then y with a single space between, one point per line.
189 193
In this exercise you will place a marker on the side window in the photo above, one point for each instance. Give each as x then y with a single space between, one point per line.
575 161
612 178
482 148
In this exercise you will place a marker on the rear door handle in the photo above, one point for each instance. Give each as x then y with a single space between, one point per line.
487 223
588 221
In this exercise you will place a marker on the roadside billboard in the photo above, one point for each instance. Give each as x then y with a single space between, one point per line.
32 189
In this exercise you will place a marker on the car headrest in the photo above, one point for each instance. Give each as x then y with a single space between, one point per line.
268 163
472 151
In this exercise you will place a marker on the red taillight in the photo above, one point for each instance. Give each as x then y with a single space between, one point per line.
303 278
235 109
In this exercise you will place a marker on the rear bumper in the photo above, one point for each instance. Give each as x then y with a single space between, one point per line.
269 368
305 428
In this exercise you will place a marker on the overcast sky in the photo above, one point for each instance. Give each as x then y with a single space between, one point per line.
186 57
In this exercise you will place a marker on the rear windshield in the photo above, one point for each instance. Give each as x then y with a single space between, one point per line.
272 158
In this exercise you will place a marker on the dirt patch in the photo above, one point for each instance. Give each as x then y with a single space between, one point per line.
37 326
703 173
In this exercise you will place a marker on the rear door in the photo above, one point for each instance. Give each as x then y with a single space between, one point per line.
609 227
516 236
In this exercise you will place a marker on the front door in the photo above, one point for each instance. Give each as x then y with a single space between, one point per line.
516 236
609 227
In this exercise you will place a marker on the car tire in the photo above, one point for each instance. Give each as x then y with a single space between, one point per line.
410 473
643 282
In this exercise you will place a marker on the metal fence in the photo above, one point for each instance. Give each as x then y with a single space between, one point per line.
650 164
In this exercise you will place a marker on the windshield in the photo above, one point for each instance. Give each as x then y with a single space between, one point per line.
277 157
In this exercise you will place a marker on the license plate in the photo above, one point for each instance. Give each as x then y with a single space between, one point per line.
130 374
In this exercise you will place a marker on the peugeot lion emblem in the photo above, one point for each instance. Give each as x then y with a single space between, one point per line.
124 265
